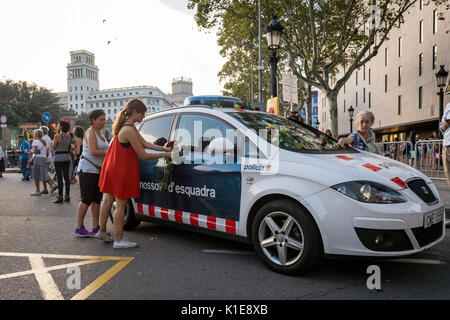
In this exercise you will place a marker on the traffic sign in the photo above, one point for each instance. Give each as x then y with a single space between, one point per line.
3 119
46 117
290 91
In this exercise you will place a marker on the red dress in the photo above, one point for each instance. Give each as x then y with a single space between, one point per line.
120 171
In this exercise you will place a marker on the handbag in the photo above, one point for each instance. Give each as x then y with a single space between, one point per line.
96 166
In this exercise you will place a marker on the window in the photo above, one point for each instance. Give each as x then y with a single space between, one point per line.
364 72
399 76
369 75
434 57
385 83
421 31
420 64
399 104
420 4
370 100
356 98
364 95
211 128
157 130
400 46
344 105
434 21
356 77
420 97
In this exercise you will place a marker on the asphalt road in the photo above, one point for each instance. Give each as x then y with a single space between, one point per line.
171 264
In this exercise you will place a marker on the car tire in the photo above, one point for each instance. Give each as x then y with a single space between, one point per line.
130 221
286 237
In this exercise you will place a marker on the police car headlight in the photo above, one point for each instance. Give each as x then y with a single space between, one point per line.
370 192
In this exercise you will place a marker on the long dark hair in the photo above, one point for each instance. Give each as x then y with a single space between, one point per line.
95 114
132 105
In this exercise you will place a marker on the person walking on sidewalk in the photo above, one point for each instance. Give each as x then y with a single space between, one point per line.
2 161
444 128
39 169
47 139
62 147
24 149
119 178
94 148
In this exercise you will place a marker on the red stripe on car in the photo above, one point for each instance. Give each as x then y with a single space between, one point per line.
151 211
164 213
140 208
344 158
211 223
194 219
371 167
230 226
399 182
179 216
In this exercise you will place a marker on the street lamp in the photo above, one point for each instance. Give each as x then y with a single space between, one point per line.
441 79
274 32
350 113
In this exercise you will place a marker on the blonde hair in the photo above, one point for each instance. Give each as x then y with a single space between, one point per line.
365 113
132 105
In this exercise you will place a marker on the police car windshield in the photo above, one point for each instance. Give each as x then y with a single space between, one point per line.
287 133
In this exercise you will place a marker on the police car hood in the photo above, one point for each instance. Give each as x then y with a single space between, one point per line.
330 169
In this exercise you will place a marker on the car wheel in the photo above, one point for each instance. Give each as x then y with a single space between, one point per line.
130 221
286 237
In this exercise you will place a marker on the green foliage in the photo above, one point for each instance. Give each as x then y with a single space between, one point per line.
25 102
83 120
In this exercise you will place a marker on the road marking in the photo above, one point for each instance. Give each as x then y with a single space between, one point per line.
45 280
228 251
48 287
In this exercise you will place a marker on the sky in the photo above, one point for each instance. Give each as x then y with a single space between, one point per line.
151 43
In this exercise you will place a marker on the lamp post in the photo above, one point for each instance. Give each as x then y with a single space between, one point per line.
274 32
441 79
350 113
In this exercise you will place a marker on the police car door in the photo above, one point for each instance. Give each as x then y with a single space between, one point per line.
206 186
157 131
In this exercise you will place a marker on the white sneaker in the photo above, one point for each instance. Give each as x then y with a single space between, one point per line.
105 236
124 244
35 194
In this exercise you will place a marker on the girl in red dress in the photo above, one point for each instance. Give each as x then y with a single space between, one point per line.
119 177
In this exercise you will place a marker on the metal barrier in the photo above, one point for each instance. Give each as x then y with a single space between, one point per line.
429 159
425 156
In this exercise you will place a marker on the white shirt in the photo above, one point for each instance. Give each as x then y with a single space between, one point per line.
40 146
1 153
49 144
446 134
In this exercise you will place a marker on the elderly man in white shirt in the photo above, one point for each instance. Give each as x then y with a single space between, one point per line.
444 127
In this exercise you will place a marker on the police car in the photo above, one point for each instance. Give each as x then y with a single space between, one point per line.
285 187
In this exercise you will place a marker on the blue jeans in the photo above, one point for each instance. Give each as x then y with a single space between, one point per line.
24 169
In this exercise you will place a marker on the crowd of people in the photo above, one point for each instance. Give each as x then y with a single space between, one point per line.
107 173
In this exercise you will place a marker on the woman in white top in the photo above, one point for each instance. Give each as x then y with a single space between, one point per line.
93 154
39 169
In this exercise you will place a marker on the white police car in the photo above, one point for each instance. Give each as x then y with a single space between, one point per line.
260 178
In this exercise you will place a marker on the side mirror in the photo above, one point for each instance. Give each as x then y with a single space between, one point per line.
220 146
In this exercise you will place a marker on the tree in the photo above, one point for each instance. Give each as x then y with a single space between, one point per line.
237 25
324 41
83 120
24 102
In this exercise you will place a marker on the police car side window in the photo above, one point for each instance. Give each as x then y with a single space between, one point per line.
195 132
157 130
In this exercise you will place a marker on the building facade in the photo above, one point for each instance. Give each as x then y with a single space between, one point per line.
181 89
399 84
84 94
314 106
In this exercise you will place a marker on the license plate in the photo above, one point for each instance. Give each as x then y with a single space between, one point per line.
433 218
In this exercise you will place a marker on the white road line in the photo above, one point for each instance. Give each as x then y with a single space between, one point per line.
228 251
48 286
